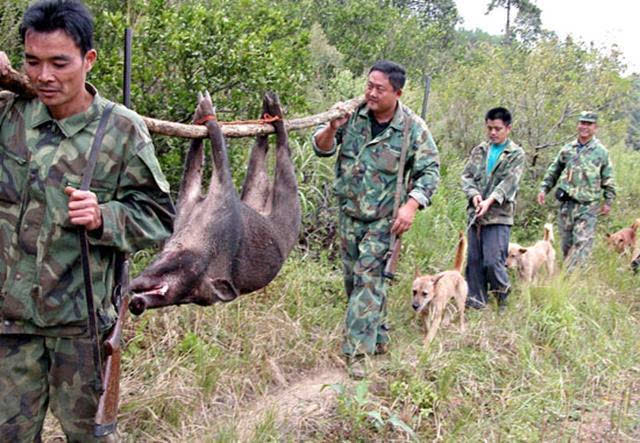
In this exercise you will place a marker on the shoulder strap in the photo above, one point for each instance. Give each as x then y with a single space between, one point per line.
406 139
87 174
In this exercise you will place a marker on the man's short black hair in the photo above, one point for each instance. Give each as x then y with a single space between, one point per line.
499 114
70 16
396 73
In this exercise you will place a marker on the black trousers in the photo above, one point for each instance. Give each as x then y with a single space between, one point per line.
486 257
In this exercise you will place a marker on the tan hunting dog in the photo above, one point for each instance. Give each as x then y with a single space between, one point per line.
431 293
528 261
625 239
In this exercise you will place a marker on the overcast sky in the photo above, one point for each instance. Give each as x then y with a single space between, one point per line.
605 22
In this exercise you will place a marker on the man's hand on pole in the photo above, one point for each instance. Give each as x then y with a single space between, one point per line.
83 208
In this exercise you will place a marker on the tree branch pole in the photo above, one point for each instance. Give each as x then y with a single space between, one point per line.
19 84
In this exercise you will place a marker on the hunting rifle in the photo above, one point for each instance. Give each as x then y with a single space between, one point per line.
396 241
106 419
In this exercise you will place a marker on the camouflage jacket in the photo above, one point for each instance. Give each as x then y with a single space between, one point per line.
42 286
502 183
585 175
367 169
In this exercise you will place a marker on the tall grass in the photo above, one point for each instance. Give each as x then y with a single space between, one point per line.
562 364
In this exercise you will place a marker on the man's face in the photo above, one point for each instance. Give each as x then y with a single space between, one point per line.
58 70
497 131
379 93
586 130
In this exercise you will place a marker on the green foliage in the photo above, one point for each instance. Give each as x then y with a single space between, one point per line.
545 88
10 16
356 405
528 22
411 33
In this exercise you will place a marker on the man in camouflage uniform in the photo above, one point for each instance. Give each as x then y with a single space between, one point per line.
583 172
45 349
366 175
490 180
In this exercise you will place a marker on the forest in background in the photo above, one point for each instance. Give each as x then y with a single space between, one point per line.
562 364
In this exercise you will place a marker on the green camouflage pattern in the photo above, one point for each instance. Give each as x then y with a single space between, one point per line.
367 169
38 371
42 289
584 176
364 248
502 183
577 226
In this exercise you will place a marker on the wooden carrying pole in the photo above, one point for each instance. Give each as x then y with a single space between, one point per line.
19 84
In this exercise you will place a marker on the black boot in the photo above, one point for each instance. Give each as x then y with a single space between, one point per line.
501 296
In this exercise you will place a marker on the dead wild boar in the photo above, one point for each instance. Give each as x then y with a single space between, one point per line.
225 245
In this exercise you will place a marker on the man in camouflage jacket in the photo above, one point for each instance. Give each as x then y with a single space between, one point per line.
490 181
583 172
366 175
45 349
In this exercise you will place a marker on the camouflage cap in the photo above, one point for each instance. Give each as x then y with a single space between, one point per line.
588 116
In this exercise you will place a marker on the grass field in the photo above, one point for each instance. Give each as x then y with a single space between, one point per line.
562 364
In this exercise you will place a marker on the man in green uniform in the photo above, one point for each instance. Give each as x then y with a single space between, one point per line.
583 172
490 180
45 349
370 143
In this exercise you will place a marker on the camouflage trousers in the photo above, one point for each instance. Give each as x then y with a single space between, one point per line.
364 251
577 226
37 372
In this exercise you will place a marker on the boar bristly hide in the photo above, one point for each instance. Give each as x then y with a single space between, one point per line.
224 245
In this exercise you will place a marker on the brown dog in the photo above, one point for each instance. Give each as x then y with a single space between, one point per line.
529 260
625 239
431 293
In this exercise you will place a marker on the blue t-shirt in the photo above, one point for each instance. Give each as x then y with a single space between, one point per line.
494 154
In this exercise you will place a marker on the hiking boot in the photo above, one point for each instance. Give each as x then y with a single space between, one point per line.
502 300
382 348
635 264
474 303
356 368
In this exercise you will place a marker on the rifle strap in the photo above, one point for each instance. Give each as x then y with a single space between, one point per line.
87 175
406 139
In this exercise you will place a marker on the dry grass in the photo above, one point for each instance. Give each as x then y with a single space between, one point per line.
562 364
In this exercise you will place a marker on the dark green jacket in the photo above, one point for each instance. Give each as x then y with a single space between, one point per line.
502 183
367 168
585 176
41 280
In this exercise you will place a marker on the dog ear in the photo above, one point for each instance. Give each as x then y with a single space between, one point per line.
436 279
523 250
416 272
607 234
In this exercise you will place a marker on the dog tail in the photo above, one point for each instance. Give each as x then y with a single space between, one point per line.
460 252
636 224
548 232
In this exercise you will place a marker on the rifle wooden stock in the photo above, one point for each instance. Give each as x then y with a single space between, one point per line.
392 261
107 414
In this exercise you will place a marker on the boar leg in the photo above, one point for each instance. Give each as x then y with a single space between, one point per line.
286 205
256 189
191 183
